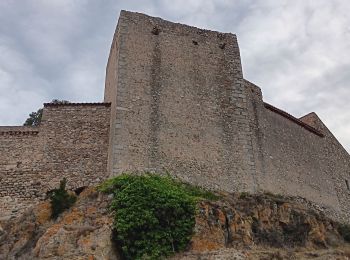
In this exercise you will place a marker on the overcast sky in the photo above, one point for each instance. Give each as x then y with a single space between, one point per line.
297 51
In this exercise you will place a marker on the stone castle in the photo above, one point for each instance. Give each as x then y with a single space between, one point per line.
175 101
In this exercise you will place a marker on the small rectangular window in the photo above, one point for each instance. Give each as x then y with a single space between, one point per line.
347 184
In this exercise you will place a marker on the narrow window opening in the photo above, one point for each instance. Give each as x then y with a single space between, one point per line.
347 184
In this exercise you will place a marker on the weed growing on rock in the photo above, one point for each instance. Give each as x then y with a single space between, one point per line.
60 199
154 215
344 231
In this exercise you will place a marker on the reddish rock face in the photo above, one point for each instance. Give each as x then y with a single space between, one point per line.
237 226
266 220
82 232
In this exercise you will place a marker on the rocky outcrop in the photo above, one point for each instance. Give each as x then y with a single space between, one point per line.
237 226
83 232
263 226
242 220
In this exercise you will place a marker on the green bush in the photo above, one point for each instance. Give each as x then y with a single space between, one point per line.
344 231
154 215
60 199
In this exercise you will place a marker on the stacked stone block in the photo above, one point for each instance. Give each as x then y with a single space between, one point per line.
71 142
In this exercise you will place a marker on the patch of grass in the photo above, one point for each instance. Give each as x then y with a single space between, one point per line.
154 215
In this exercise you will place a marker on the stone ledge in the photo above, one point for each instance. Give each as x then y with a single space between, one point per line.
106 104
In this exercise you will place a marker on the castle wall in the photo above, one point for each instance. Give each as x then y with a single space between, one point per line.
180 104
114 64
71 142
20 167
295 161
338 164
76 142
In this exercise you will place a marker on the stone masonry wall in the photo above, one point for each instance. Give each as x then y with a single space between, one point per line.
71 142
76 142
21 157
114 64
293 160
180 103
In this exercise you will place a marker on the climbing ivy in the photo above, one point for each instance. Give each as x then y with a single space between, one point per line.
154 216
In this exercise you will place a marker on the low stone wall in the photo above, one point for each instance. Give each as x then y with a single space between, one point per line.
21 159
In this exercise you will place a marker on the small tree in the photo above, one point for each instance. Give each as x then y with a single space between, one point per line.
60 199
34 118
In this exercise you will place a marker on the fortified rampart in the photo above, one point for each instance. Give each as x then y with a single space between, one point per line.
177 102
71 142
299 157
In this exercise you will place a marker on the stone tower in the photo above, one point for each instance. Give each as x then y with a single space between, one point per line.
178 103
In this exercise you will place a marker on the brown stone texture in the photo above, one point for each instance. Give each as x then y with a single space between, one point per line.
180 103
76 143
71 142
294 160
21 157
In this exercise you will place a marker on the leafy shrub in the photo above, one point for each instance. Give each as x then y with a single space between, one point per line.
34 118
60 199
344 231
154 215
